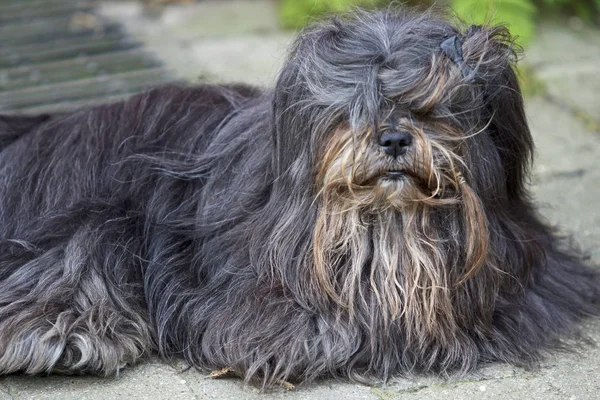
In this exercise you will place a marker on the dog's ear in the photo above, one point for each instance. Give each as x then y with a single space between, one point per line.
493 55
303 92
287 118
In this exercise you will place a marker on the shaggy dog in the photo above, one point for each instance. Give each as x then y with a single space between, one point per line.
368 217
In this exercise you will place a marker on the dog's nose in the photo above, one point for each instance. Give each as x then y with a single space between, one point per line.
395 143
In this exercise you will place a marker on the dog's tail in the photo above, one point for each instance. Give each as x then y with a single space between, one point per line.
13 127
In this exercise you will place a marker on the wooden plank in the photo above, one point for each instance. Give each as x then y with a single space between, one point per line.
63 48
29 13
20 27
110 85
15 4
45 36
74 20
75 69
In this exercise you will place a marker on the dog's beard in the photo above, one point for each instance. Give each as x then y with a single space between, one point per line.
398 234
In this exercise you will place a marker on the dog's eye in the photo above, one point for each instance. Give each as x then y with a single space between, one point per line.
422 112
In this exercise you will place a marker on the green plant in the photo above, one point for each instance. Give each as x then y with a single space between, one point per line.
296 13
517 15
521 15
584 9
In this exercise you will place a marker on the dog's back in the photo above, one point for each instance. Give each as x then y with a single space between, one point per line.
80 194
98 151
14 126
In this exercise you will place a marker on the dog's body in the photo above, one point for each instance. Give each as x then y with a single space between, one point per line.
368 217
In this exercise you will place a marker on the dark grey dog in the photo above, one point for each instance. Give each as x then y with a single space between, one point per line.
366 218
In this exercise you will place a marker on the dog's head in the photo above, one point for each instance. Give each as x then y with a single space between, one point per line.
413 140
391 109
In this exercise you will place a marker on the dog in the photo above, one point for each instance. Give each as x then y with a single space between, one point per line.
369 217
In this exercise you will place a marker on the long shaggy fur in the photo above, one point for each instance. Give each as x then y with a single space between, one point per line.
259 231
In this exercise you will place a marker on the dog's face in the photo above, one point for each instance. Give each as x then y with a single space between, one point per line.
405 158
388 118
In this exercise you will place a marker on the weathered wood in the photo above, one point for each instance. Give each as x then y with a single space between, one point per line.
8 15
61 49
75 69
57 55
20 27
111 85
12 4
45 35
